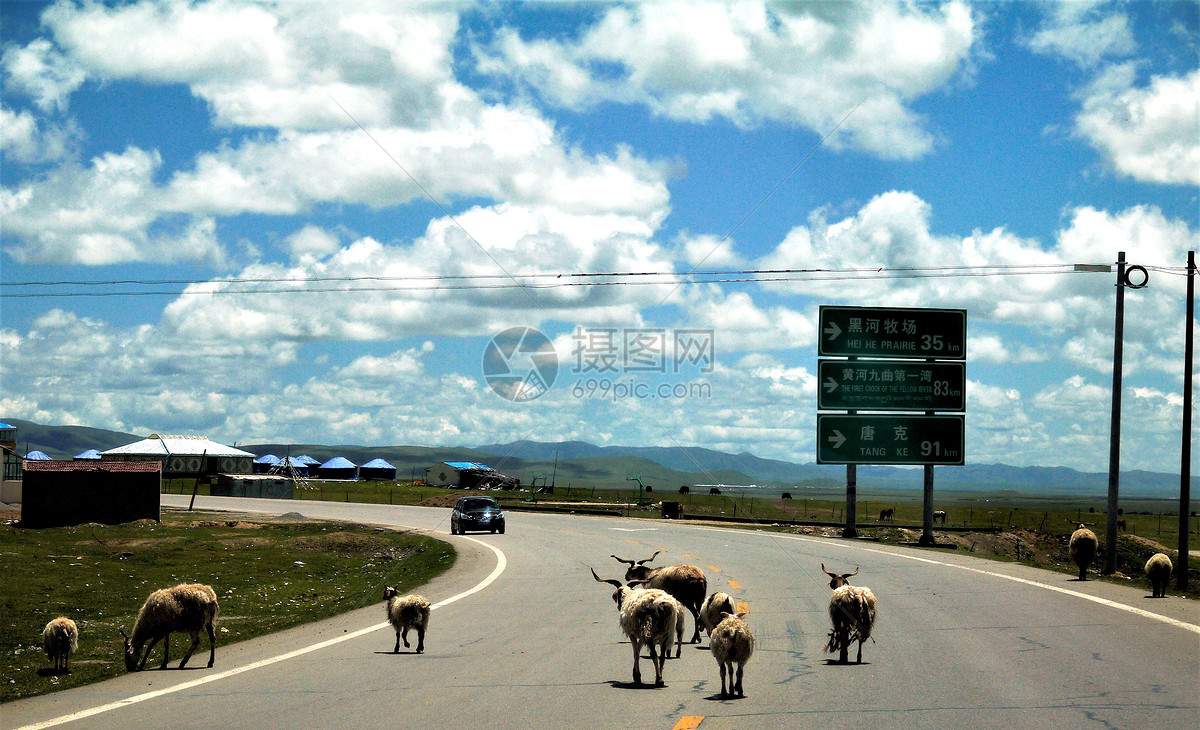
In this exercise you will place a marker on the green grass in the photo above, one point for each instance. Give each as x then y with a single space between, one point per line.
268 574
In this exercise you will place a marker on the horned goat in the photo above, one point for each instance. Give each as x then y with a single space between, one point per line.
852 613
685 582
1158 570
1083 546
622 591
60 639
715 605
404 613
732 643
837 580
185 608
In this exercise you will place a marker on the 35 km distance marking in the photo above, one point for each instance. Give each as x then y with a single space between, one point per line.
893 332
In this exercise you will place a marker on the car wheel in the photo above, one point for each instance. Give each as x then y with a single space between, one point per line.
501 529
453 529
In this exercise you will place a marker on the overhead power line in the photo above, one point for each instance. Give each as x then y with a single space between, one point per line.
485 282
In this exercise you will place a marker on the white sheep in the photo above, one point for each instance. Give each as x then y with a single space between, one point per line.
404 613
1083 547
1158 570
649 617
60 639
622 591
186 608
731 643
852 613
714 606
686 583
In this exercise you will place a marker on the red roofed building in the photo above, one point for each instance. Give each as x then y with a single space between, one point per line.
61 493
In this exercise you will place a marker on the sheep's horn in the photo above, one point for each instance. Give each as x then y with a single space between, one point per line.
623 560
848 575
610 581
636 583
652 557
826 572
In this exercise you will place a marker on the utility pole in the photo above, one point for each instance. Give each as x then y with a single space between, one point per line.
1185 459
1114 447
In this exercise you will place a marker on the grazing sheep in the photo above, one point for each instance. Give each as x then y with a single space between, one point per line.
852 613
685 582
836 580
60 639
1083 549
1158 570
732 643
939 516
888 514
404 613
622 591
186 608
715 605
786 495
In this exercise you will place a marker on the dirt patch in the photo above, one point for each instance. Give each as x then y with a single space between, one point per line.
345 543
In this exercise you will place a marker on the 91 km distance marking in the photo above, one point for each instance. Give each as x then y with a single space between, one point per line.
890 438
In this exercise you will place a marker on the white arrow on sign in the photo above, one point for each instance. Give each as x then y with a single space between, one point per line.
830 385
832 330
837 439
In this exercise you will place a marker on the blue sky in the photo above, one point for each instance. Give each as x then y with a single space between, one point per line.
449 161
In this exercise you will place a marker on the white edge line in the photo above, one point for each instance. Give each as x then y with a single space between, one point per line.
501 564
1095 599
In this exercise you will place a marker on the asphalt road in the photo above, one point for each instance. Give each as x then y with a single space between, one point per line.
960 642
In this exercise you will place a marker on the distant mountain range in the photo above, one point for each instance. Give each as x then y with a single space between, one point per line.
584 464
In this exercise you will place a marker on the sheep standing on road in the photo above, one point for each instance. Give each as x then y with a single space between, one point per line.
622 591
732 643
649 618
1158 570
1083 547
685 582
187 608
404 613
715 605
852 613
60 639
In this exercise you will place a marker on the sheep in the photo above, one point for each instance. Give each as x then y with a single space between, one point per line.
185 608
1083 548
404 613
1158 570
685 582
732 643
852 613
60 639
836 580
622 591
714 606
888 514
939 516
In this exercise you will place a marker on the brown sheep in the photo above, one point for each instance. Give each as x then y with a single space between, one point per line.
685 582
1158 570
60 639
1083 547
186 608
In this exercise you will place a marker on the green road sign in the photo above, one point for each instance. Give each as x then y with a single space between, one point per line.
889 439
893 332
891 385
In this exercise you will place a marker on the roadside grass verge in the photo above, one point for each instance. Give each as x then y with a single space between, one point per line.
269 574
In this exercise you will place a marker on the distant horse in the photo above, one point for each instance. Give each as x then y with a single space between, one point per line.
888 514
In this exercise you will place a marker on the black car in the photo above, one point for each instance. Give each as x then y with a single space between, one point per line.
476 513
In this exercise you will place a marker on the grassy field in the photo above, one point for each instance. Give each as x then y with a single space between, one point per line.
269 574
999 525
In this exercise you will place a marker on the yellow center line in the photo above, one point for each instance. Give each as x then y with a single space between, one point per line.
689 722
735 585
690 557
743 607
714 569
